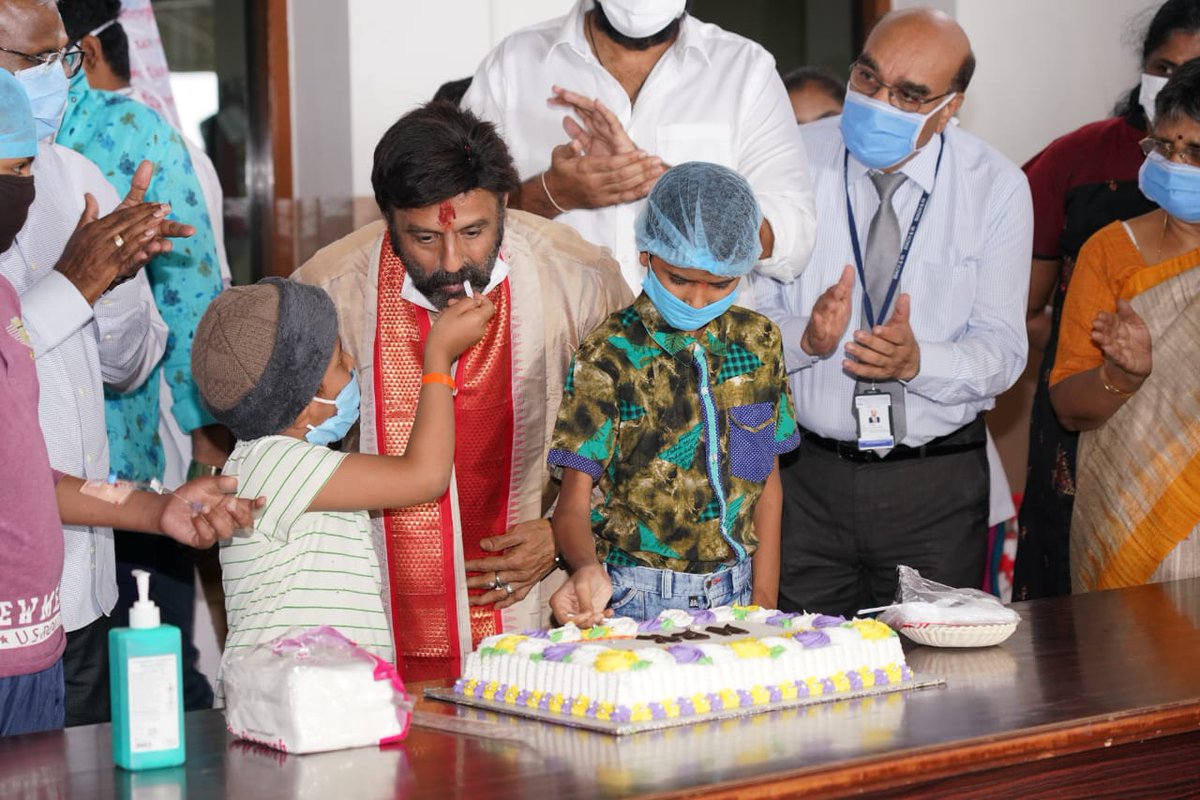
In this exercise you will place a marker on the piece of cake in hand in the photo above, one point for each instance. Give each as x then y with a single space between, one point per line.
683 664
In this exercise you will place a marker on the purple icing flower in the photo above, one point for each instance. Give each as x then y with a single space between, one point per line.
657 711
702 616
881 677
544 703
650 626
686 707
745 698
501 692
780 619
906 673
715 702
827 685
559 652
826 621
621 714
855 679
522 698
812 638
592 709
774 694
459 685
801 688
685 653
538 634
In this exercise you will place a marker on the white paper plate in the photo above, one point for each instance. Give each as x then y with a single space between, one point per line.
959 635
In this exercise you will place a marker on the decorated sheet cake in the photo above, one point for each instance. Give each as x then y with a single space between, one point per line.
683 664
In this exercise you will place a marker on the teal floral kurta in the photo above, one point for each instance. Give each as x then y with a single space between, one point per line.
117 133
679 431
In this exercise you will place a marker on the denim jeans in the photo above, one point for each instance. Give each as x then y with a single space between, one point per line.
34 702
642 592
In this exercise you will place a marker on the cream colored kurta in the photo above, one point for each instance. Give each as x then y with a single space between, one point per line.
561 288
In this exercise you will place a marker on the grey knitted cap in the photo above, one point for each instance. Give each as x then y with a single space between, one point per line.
260 353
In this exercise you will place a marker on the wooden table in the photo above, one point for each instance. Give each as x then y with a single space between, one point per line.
1095 695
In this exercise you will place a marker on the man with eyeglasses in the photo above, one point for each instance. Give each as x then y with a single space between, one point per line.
87 333
891 383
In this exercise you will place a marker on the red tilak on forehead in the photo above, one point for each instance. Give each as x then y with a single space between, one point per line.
446 214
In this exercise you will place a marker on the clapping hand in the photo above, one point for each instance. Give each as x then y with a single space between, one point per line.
1124 338
829 318
887 352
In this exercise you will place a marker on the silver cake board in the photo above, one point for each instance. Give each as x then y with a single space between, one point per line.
918 681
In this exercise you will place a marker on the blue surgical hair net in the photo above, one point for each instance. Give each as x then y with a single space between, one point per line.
18 138
702 216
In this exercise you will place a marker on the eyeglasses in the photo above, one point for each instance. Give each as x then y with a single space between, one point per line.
1188 153
864 80
71 58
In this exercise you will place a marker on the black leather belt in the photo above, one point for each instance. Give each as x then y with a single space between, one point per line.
971 436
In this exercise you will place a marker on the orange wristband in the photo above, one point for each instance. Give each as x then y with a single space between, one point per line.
438 377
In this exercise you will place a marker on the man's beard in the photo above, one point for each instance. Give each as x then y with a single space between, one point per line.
667 34
433 284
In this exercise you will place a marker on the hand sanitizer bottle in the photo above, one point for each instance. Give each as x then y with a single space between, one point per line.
146 679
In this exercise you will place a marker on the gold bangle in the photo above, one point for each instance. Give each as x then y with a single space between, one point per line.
1108 387
550 197
438 377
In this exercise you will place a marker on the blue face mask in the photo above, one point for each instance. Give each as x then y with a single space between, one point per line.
1175 187
679 314
47 88
880 135
336 427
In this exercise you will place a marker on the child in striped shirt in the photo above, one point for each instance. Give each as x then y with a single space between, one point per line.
269 365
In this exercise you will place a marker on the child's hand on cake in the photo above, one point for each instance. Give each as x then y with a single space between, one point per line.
222 513
461 325
583 599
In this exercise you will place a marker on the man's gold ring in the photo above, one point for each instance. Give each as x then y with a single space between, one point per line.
118 241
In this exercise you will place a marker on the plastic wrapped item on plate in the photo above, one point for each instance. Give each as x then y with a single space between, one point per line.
935 614
314 690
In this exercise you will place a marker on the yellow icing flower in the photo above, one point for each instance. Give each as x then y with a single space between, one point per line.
509 643
788 691
605 711
730 699
700 702
534 699
556 703
510 696
615 661
868 677
815 689
750 648
489 691
640 713
760 696
893 673
671 708
841 683
580 706
469 687
872 629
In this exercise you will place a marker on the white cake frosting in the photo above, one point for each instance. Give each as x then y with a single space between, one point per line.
683 663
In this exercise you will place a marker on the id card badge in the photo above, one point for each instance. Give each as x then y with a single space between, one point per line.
873 415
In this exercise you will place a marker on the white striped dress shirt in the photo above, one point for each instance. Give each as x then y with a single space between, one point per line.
78 350
967 274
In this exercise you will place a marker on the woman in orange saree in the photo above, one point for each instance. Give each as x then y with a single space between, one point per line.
1127 372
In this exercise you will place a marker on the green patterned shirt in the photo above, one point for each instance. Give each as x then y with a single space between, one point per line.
641 407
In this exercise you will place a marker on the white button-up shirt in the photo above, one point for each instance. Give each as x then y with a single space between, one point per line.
967 275
713 96
78 350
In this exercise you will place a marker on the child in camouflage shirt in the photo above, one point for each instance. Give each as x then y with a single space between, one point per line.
673 417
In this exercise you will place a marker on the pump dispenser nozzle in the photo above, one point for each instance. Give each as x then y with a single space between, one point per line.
144 613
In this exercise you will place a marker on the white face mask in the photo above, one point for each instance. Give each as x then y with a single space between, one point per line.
638 19
1151 86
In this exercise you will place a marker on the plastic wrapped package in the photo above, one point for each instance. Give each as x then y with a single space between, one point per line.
314 690
932 613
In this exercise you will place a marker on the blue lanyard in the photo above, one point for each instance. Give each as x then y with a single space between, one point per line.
908 240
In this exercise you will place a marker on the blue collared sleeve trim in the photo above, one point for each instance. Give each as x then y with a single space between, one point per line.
565 458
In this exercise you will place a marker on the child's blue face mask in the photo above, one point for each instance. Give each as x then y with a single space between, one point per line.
336 427
679 314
